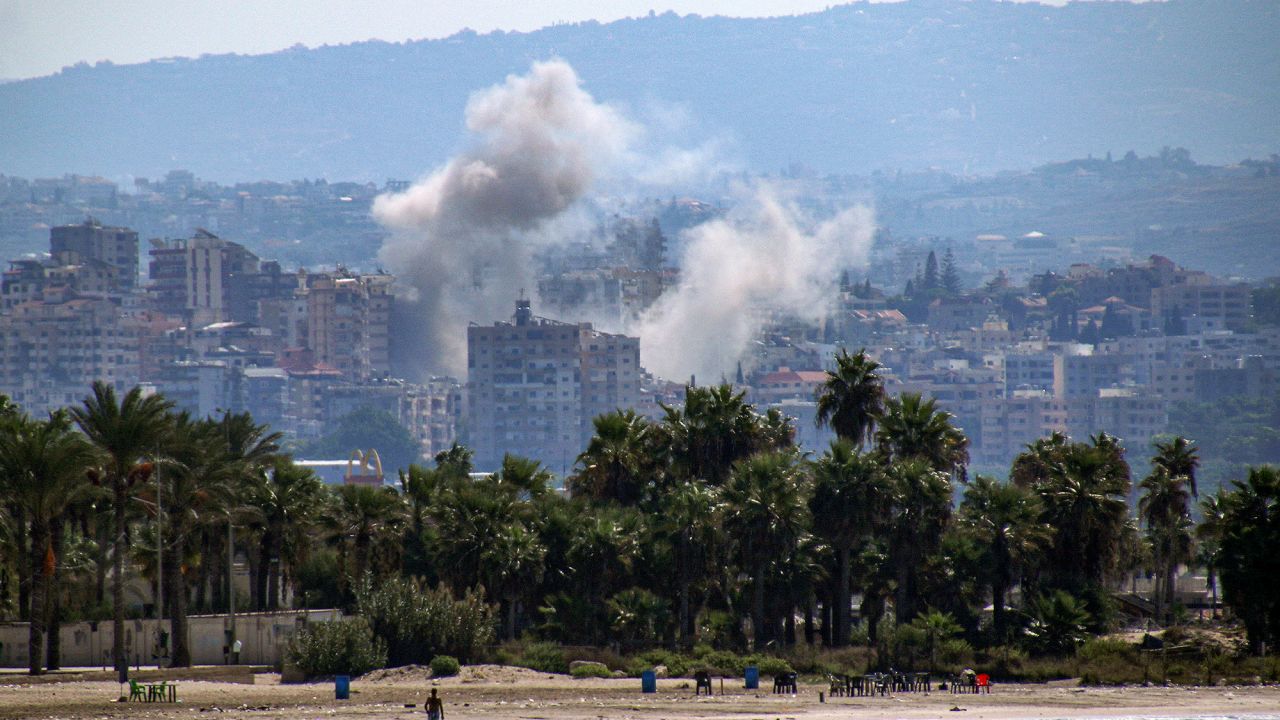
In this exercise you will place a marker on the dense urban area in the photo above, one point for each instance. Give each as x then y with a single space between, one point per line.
1016 335
677 358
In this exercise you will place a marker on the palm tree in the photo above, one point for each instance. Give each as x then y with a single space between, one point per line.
1005 520
125 431
851 497
1209 533
612 464
603 550
1179 458
717 427
1247 558
43 464
936 627
364 518
1083 489
250 450
1165 508
690 521
522 476
919 512
1059 622
513 560
287 500
913 428
766 516
196 480
852 397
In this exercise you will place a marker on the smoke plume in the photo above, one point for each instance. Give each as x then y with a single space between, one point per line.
735 271
462 237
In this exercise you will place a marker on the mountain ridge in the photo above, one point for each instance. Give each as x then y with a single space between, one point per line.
977 87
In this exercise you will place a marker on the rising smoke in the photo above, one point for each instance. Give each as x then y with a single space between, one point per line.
462 237
739 270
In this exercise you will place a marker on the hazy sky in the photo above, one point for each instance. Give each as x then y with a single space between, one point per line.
38 37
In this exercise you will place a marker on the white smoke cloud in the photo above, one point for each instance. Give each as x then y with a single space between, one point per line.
762 257
462 236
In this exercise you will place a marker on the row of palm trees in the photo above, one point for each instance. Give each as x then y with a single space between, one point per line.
707 524
135 485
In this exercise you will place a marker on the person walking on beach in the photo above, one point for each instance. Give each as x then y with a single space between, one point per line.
435 707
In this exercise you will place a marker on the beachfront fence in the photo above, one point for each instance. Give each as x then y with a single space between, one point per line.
263 639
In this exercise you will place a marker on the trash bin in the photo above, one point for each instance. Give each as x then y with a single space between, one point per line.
753 678
649 681
342 687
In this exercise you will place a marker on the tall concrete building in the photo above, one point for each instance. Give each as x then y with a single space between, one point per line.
348 318
115 246
535 385
206 279
52 350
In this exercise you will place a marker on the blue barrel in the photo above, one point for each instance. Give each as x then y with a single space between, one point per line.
342 687
649 681
753 678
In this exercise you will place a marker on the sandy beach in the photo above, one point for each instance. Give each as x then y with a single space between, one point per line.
506 693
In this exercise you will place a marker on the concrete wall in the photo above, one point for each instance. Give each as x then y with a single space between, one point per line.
263 637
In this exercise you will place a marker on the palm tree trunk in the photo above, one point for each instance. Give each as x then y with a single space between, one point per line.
686 634
117 580
363 541
102 534
872 611
1170 589
24 570
274 561
180 654
998 591
53 655
758 631
257 577
841 636
35 625
809 611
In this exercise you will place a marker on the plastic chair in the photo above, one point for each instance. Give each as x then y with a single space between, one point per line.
702 680
984 684
136 693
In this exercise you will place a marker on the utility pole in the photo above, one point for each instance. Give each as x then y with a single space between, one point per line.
231 586
159 558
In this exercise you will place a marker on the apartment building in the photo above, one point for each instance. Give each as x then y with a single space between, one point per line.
1213 306
348 319
53 349
115 246
535 385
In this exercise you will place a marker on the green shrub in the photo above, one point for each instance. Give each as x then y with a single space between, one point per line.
337 648
721 661
417 622
544 657
1175 635
593 670
677 665
444 666
769 665
955 652
1102 649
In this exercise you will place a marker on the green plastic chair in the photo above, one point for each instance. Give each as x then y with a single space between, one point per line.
136 693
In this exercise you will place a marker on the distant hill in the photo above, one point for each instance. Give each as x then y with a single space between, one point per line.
974 86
